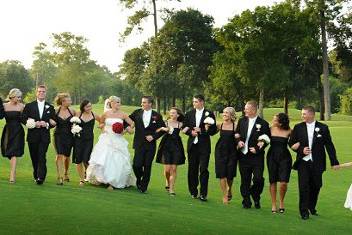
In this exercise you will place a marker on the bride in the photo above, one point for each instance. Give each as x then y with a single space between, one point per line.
110 160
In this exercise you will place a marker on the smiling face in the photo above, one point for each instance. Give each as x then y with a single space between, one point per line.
41 93
66 102
226 115
16 99
115 104
307 116
173 114
198 104
250 111
146 105
88 108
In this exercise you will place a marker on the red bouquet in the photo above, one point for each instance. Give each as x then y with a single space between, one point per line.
117 127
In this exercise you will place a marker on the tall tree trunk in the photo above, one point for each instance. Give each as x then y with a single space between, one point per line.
165 105
157 104
261 103
321 100
326 83
173 101
286 103
184 104
155 18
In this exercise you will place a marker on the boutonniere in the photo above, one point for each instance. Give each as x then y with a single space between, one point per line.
317 129
155 118
47 106
258 126
206 114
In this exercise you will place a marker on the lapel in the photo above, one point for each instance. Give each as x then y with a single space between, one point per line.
245 127
314 134
193 118
254 129
202 118
36 110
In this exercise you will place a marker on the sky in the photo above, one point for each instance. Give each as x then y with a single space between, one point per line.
25 23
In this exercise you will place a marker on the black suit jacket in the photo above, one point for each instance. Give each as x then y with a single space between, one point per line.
37 135
156 122
2 111
321 141
204 136
263 129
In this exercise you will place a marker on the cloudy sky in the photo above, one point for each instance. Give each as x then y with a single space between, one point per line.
25 23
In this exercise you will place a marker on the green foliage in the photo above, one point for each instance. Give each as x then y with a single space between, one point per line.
346 102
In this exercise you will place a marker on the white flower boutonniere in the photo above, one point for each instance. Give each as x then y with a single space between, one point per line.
258 126
47 106
206 113
317 129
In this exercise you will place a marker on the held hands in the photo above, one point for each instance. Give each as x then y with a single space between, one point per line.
149 138
260 144
52 122
295 146
252 150
307 151
207 127
240 144
40 124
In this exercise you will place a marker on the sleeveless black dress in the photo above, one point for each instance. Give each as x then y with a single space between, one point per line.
83 144
12 139
226 154
171 151
279 160
63 138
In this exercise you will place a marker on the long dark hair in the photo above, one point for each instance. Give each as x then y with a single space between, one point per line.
83 105
181 116
283 120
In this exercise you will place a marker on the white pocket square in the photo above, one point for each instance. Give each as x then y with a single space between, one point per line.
319 135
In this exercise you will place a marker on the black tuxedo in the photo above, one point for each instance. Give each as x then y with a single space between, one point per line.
199 154
252 165
144 150
310 172
38 138
2 111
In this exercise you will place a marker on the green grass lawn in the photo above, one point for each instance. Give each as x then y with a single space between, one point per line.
50 209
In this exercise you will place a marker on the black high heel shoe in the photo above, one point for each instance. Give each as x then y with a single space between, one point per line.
282 210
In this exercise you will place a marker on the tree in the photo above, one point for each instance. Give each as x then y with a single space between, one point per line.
14 75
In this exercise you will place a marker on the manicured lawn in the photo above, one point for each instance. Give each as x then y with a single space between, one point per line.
50 209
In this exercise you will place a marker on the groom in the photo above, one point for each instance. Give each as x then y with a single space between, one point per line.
147 121
198 146
38 138
251 162
313 138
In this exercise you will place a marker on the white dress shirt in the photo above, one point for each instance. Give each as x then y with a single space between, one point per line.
41 105
251 122
199 114
310 131
147 114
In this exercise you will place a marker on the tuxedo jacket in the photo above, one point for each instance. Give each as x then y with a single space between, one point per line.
2 111
37 135
321 141
261 127
156 122
204 135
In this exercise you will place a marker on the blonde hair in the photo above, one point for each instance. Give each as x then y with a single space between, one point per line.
60 98
15 92
112 99
232 112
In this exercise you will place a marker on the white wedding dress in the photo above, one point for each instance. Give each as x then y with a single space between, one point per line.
348 202
110 161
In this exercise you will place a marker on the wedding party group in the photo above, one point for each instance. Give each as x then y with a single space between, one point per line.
241 145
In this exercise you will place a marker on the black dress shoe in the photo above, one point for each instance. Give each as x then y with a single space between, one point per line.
39 181
257 205
313 212
305 216
245 206
194 196
203 198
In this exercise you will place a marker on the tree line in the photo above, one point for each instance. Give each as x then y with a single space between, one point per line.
276 55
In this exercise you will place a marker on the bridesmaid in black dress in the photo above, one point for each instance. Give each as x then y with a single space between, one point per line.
171 152
12 139
226 153
83 144
63 138
279 159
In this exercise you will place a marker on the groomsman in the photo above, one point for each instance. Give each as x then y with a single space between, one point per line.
251 155
313 138
38 138
198 146
147 121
